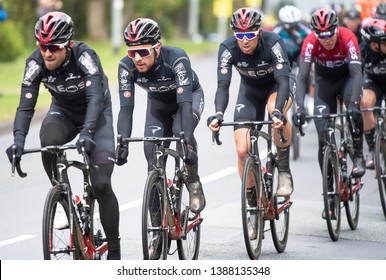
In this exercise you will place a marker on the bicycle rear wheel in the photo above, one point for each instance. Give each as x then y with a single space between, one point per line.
154 235
380 164
188 246
331 196
279 226
252 213
353 202
58 243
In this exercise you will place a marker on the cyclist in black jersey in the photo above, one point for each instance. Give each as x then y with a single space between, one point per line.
293 30
72 73
373 52
352 20
261 59
174 95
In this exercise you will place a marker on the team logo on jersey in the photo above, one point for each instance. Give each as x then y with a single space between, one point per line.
28 95
86 60
321 108
224 71
88 83
127 94
239 107
180 90
154 128
279 66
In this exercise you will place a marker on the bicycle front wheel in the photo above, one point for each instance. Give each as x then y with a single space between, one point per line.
352 203
154 235
251 211
331 195
280 224
189 245
380 172
58 242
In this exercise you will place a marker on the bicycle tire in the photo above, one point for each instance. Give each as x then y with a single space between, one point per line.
331 197
295 143
97 232
152 216
280 226
189 246
352 204
57 243
380 164
252 176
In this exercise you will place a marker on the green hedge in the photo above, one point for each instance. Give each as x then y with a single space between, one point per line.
11 41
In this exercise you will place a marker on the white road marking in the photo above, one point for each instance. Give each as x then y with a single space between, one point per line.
16 239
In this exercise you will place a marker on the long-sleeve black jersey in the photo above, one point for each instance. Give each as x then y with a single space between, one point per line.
374 64
171 80
79 85
266 67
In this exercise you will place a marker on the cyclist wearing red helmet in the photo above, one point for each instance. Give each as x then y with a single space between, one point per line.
174 95
373 52
335 52
72 73
260 58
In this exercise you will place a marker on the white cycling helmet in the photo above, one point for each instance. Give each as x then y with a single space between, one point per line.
290 14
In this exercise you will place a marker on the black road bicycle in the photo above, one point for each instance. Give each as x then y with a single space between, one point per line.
259 182
165 210
71 224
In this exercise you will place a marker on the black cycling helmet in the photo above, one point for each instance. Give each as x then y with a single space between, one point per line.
380 11
374 30
54 28
142 31
323 20
245 19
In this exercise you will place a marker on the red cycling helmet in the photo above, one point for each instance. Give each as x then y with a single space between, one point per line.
324 20
54 28
374 30
246 19
142 31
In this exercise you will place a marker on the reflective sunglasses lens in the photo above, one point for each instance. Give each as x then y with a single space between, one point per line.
51 48
140 52
249 35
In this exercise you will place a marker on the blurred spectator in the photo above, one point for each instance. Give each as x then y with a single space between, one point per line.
3 13
46 6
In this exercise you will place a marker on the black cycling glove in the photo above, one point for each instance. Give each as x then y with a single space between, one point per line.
89 144
217 117
279 115
19 143
121 154
300 117
354 111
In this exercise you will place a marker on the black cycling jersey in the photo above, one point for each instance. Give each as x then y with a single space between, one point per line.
171 82
264 69
75 86
293 38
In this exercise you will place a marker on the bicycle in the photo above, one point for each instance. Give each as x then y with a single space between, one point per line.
266 205
339 186
380 152
165 209
71 226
